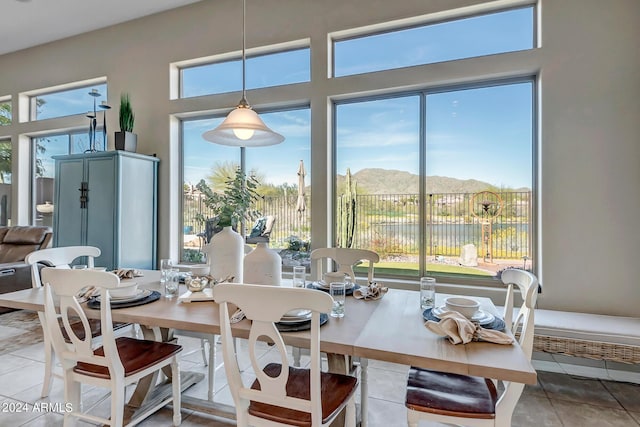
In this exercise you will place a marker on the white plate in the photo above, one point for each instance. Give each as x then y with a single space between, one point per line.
290 320
142 293
298 313
481 317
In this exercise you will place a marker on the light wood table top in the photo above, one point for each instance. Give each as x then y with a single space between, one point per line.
395 332
390 329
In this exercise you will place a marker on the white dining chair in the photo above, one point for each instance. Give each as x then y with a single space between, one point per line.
474 401
281 394
346 259
60 257
114 365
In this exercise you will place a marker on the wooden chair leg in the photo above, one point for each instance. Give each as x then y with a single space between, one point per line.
49 361
175 388
72 396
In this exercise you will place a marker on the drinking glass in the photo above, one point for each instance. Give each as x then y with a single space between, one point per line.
171 283
427 292
299 275
165 266
337 291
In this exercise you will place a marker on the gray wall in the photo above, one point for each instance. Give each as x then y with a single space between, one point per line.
588 63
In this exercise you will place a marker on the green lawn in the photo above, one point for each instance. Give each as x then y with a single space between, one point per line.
411 269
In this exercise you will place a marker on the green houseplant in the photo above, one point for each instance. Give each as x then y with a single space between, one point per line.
126 139
233 205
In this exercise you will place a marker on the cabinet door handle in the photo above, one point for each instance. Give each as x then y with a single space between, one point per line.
84 197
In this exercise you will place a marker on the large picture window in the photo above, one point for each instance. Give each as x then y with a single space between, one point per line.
275 167
5 112
44 148
471 215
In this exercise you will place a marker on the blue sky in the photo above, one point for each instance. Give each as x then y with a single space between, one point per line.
483 133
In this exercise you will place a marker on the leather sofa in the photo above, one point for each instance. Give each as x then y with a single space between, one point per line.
16 243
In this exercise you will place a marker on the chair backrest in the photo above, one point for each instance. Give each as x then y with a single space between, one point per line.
65 285
527 283
346 258
60 258
264 305
268 226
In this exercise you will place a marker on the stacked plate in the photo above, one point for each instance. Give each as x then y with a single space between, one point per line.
480 317
296 316
139 295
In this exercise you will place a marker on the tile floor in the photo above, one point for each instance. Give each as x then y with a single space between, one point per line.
557 400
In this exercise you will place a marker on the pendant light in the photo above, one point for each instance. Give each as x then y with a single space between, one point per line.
243 127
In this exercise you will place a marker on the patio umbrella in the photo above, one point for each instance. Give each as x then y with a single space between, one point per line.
301 205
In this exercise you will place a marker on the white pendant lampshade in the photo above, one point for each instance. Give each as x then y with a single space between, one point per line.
243 127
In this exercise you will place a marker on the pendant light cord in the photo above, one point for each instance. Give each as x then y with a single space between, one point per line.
244 102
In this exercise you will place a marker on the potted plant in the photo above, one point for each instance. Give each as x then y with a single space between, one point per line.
233 205
126 139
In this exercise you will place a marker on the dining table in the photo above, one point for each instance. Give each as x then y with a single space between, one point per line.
389 329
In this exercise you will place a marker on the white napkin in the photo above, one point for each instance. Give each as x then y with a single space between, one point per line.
127 273
86 293
237 316
459 330
371 292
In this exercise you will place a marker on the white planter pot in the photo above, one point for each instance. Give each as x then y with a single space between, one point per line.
225 255
262 266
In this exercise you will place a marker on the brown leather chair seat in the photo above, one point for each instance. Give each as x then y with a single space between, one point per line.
136 355
335 390
451 394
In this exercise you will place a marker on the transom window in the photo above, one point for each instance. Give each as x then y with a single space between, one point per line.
493 33
272 69
67 102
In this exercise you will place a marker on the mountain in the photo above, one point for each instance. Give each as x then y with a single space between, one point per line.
385 181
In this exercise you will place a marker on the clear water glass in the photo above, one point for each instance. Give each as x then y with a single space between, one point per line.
427 292
299 276
337 291
165 266
172 283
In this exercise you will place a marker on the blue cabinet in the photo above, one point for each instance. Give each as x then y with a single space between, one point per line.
108 199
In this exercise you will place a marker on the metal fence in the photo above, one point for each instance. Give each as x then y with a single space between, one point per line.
389 223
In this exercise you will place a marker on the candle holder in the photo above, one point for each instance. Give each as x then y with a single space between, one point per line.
93 121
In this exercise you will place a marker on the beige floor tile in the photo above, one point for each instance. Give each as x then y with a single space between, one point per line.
383 413
626 393
387 385
535 410
50 419
22 378
573 414
576 389
534 390
200 420
16 413
33 352
10 362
